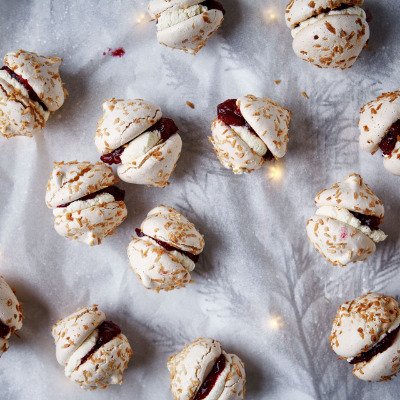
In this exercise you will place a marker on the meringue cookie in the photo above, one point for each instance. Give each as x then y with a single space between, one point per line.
366 333
166 249
30 89
328 33
133 134
10 315
202 370
345 227
249 131
186 24
93 351
86 206
380 128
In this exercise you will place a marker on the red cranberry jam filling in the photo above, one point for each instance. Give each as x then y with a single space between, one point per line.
4 330
31 93
211 379
107 332
166 127
229 113
213 5
368 220
115 191
388 143
380 347
168 247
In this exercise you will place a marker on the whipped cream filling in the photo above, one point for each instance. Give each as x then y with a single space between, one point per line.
78 205
140 146
75 360
357 11
345 216
394 326
20 88
252 140
187 263
175 15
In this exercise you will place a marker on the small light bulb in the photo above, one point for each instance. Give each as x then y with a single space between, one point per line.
275 322
270 15
275 172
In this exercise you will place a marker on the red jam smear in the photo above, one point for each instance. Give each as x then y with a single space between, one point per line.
211 379
119 52
31 93
388 143
107 332
167 128
380 347
168 247
371 221
4 330
115 191
229 113
213 5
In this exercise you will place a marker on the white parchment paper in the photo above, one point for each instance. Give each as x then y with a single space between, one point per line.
259 288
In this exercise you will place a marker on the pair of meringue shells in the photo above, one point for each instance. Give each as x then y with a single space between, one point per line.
20 114
184 24
87 221
10 315
360 325
376 118
143 162
158 267
269 120
328 33
76 335
330 230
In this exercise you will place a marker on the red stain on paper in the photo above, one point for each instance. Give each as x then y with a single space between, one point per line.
119 52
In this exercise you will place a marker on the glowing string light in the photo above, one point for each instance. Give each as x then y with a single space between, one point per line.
275 172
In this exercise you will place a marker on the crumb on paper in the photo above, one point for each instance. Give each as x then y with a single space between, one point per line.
304 94
191 105
278 82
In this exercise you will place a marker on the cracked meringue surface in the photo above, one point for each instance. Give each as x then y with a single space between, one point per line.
345 228
380 129
365 332
93 351
165 250
134 135
186 24
328 33
86 206
203 370
10 315
30 89
264 132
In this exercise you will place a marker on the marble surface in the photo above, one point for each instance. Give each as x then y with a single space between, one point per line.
259 288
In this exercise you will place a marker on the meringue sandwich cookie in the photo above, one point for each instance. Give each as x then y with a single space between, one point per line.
165 250
248 131
10 315
186 24
365 332
345 227
202 370
30 89
380 129
86 204
93 351
328 33
134 135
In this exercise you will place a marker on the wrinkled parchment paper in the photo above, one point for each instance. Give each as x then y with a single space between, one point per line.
259 288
